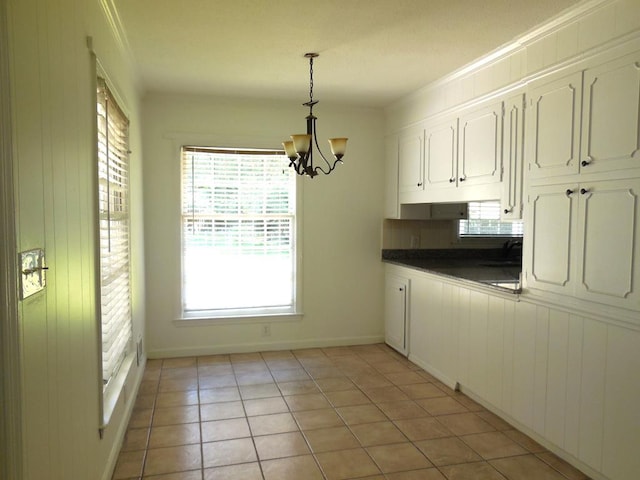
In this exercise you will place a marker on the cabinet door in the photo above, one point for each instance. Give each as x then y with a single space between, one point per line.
441 155
512 159
391 209
410 151
609 235
611 124
553 134
480 146
395 309
552 214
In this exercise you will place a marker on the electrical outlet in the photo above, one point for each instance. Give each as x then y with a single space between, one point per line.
266 330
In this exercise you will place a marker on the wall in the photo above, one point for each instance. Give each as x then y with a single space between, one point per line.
53 119
590 25
340 239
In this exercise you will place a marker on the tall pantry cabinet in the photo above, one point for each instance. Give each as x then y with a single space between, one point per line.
583 161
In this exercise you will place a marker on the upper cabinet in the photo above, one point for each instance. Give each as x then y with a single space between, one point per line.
391 206
453 158
611 121
586 121
480 146
512 158
553 136
440 154
410 164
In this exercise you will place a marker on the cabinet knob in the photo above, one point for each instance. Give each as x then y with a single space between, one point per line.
569 192
583 191
507 210
451 180
584 163
462 179
401 289
419 184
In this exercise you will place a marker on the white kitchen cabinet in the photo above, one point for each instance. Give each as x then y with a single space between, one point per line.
440 154
608 253
391 204
586 121
410 161
512 159
585 241
395 311
552 227
611 124
480 146
553 131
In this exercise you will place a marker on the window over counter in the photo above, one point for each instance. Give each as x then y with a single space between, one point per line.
238 233
484 221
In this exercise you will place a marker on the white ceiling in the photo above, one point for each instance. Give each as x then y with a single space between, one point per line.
372 52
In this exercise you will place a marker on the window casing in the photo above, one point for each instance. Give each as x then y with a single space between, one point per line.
238 233
114 232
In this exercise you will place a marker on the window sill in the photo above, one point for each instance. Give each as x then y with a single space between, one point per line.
228 318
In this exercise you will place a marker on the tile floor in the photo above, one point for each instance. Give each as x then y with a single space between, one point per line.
336 413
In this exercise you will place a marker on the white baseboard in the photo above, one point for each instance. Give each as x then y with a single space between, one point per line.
262 346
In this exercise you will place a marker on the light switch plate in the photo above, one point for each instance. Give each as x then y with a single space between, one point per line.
32 272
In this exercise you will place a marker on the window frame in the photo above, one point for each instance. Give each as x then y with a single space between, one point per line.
110 392
242 315
486 238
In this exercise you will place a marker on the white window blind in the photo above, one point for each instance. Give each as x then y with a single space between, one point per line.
238 230
113 214
484 221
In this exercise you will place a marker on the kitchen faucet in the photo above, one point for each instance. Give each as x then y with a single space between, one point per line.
509 245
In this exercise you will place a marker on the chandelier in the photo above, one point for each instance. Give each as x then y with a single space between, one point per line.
300 148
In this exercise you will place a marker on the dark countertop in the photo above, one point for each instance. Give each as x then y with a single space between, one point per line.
489 267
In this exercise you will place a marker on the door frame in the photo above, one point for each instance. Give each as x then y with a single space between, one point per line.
10 358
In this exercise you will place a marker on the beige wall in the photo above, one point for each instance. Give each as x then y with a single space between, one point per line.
342 275
53 133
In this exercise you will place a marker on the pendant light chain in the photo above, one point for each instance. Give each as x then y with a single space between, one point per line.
310 79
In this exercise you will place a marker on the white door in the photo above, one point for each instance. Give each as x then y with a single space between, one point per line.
553 134
440 153
608 239
552 220
410 148
395 309
512 159
480 146
611 124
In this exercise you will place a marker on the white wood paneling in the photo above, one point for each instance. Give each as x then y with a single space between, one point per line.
524 364
495 350
478 331
557 376
592 393
573 385
621 413
540 369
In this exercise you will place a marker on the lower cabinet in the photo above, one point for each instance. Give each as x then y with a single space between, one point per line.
562 376
586 241
395 312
